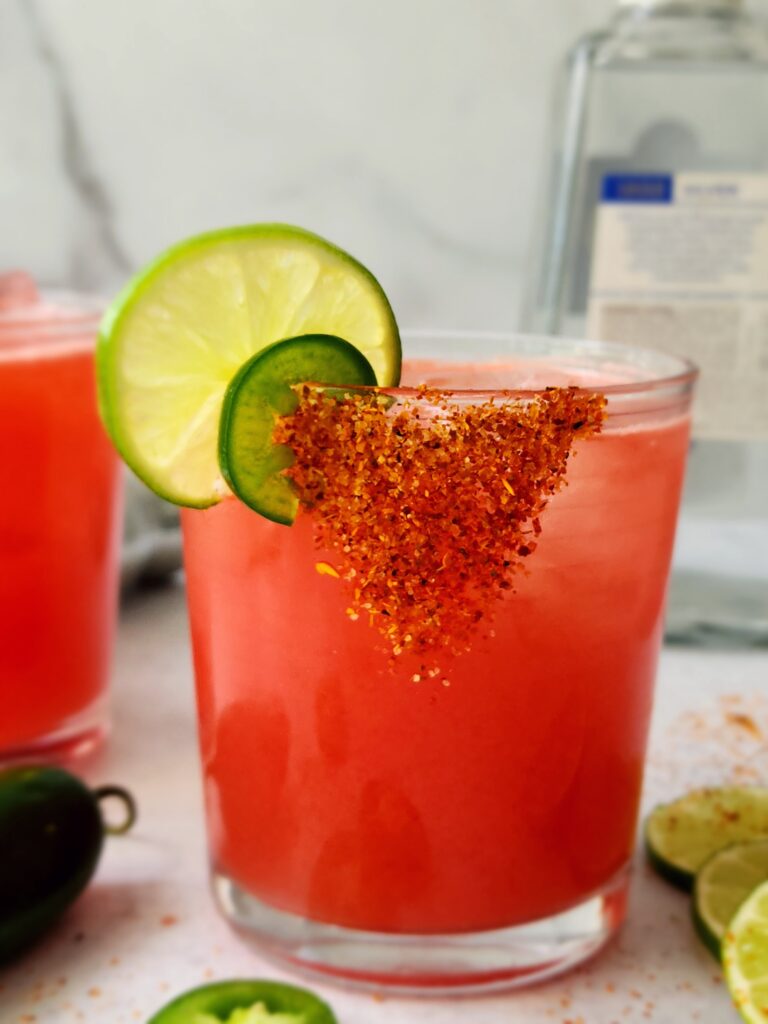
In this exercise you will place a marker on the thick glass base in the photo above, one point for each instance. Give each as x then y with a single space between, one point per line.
429 964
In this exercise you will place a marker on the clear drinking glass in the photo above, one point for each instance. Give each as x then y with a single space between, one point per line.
471 830
60 523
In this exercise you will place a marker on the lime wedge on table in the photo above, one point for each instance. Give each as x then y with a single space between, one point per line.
745 957
681 836
174 339
259 392
722 884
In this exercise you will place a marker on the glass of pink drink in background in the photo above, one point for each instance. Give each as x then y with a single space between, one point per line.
60 521
466 832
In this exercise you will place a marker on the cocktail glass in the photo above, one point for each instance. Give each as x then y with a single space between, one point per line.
468 831
59 527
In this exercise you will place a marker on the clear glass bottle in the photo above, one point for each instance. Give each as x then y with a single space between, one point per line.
654 227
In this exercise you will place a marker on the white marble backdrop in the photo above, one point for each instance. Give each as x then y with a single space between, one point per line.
409 131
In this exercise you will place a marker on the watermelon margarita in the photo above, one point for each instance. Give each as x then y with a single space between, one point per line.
347 790
59 527
425 621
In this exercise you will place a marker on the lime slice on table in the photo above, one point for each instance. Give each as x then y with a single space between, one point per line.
722 884
745 957
260 391
174 339
681 836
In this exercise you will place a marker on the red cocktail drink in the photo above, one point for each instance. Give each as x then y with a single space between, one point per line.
356 800
59 530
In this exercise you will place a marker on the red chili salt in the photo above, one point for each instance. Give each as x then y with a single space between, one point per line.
432 506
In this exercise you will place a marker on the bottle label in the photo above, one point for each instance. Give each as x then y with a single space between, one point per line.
680 263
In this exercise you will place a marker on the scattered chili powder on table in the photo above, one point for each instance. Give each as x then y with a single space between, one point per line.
432 504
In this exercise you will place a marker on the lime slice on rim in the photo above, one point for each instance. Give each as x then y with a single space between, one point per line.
174 339
722 884
745 957
260 391
681 836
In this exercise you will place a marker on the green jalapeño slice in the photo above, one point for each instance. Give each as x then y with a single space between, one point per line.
261 390
246 1002
172 342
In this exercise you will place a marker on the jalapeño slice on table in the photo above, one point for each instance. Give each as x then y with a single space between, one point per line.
262 390
246 1002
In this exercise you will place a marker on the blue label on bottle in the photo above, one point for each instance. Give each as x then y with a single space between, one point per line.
637 188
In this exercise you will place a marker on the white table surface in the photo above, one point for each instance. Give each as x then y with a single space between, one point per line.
147 930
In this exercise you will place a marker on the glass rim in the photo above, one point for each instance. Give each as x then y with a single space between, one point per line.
680 375
55 308
58 322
